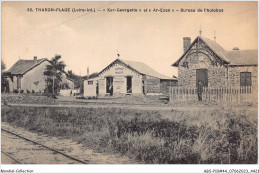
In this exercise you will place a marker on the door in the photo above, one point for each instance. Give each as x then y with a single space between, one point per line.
18 82
109 85
128 84
202 75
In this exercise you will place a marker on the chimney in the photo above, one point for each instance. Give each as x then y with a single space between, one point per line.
186 43
88 72
35 58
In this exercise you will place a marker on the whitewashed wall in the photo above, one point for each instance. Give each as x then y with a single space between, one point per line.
90 89
34 79
119 74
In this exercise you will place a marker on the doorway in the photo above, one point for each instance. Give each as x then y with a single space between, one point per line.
109 85
202 75
128 84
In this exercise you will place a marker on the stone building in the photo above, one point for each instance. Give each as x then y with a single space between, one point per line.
206 61
127 77
28 75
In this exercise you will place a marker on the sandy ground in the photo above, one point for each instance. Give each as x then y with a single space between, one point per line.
7 160
29 153
136 102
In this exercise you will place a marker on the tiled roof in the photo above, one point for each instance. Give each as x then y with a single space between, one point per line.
243 57
140 68
216 48
145 69
91 76
22 66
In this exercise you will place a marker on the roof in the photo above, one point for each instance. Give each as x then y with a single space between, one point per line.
234 57
91 76
216 48
141 68
70 79
23 66
243 57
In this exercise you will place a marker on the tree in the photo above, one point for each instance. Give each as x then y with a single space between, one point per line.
54 72
76 79
2 66
4 81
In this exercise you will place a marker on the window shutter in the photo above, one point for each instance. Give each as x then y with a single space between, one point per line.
242 79
248 79
245 79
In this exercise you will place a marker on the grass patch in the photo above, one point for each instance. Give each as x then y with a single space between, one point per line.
222 136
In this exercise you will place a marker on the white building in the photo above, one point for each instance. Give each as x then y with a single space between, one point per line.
28 75
127 77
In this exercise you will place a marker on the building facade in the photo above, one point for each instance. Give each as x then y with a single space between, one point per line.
123 77
206 61
27 75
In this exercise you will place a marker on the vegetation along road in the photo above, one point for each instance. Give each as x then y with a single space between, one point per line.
127 135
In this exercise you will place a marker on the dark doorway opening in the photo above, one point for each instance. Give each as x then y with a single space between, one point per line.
143 86
128 84
202 75
109 85
97 92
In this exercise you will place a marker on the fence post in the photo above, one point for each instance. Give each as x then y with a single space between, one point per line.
188 94
209 92
246 93
170 92
177 93
219 94
224 94
240 94
183 95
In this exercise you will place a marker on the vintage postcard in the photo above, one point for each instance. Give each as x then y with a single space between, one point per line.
131 82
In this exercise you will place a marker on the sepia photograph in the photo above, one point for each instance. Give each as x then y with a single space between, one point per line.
129 82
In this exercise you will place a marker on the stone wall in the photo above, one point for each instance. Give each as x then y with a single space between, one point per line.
234 75
200 60
218 76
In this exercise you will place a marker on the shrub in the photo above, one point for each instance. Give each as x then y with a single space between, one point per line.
15 91
146 136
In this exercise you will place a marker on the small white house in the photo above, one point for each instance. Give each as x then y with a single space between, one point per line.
91 87
123 77
27 75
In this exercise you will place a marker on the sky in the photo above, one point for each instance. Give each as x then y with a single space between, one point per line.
94 39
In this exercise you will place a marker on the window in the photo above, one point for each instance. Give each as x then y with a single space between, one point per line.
245 79
90 82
